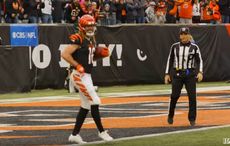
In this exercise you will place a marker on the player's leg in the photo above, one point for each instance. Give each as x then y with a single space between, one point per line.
95 102
84 109
97 119
75 137
80 120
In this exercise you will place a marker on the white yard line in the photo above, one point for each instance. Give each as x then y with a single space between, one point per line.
5 131
160 92
117 94
38 99
159 134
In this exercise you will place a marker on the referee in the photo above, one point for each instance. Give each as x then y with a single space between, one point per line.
184 61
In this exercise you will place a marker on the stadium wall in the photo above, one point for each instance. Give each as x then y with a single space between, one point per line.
30 54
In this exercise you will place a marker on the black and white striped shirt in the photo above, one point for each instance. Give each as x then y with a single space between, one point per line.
184 56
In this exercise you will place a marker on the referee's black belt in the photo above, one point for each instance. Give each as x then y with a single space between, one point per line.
187 71
184 70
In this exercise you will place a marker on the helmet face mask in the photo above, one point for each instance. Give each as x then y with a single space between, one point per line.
90 30
87 25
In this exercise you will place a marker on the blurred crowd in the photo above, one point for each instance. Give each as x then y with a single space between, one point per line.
111 12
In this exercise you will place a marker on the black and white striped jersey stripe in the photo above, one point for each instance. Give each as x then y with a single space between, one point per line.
183 57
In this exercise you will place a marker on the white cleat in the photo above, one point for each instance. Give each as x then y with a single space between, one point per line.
76 139
105 136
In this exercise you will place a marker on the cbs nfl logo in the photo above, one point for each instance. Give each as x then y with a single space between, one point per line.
226 141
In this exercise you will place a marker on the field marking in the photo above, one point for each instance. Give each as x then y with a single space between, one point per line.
36 99
158 134
120 100
136 121
159 120
17 137
116 94
5 131
161 92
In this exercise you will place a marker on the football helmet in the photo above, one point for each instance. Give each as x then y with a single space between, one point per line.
87 25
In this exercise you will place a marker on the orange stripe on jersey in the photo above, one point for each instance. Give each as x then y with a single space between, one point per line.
79 37
76 38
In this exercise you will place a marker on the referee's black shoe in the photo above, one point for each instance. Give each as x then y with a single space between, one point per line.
192 123
170 120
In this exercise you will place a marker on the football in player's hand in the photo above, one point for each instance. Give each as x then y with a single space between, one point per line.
101 52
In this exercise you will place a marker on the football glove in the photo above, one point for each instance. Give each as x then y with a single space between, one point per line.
80 69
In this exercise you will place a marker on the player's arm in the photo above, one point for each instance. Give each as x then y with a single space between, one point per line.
67 54
76 41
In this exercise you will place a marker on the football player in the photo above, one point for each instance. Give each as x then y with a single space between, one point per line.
80 55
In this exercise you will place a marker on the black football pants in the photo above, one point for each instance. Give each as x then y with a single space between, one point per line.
180 79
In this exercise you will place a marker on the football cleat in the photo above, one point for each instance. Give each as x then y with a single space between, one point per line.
76 139
105 136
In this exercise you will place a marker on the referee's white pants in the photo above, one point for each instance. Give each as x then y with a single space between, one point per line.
84 84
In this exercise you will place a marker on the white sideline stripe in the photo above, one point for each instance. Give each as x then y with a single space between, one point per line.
160 92
39 99
121 94
5 131
159 134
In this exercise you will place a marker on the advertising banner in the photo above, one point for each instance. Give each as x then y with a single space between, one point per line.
23 35
138 54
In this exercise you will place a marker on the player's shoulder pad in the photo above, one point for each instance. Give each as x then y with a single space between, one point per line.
76 38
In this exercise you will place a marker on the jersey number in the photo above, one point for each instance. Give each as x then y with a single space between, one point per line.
91 54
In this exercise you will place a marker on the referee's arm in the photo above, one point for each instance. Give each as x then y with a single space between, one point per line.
199 60
170 60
